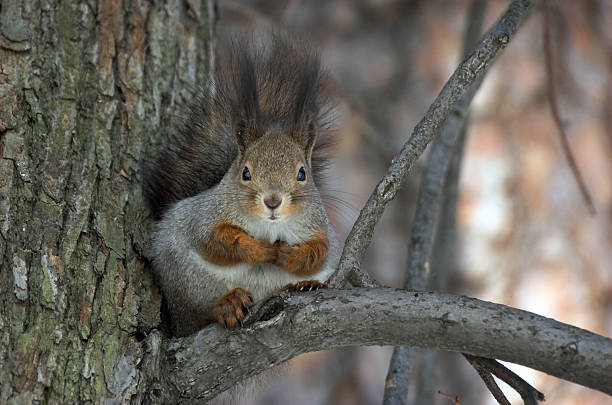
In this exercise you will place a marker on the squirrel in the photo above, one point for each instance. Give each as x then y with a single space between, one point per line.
235 194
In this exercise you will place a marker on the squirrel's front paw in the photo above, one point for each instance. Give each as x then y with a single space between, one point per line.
302 260
306 285
288 257
256 251
231 307
268 252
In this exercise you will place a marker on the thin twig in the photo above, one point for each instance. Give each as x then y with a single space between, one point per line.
488 379
554 109
469 71
529 394
454 399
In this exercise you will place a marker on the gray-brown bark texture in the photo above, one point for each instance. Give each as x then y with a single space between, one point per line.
86 90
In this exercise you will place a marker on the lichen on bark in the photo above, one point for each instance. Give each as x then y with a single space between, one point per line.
87 89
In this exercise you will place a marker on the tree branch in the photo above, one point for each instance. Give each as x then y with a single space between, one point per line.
428 210
204 365
468 72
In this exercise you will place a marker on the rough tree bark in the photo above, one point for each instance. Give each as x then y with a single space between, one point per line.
86 88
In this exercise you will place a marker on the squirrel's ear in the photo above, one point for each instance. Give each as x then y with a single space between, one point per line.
241 138
246 135
305 136
310 139
245 107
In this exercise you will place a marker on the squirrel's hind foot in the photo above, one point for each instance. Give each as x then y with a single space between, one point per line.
232 307
306 285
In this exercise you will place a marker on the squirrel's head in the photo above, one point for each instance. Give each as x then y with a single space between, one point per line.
273 174
273 104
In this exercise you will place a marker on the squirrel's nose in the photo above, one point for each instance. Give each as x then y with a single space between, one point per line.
272 202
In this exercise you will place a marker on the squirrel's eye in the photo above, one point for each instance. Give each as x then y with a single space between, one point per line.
246 174
301 174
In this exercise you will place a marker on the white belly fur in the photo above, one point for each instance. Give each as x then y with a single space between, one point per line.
261 280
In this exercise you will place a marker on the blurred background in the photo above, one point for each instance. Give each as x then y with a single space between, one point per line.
525 236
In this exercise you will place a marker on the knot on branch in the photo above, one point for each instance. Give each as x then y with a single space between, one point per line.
386 189
503 38
265 310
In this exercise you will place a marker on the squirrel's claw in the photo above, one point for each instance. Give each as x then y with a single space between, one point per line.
232 307
306 285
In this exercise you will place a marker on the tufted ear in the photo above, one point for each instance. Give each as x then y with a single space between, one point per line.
246 133
305 135
306 103
309 141
245 101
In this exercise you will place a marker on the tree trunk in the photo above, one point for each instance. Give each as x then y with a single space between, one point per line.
87 89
